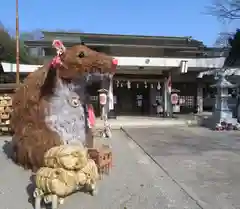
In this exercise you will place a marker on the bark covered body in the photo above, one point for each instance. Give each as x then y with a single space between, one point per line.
47 107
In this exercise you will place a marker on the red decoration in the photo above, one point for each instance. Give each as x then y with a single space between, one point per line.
115 62
58 45
56 62
91 116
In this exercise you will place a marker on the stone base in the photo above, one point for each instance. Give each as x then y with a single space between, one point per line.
167 115
223 120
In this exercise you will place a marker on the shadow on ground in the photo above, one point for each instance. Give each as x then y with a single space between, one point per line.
8 149
30 189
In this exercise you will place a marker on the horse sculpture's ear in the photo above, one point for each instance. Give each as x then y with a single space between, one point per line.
51 71
60 48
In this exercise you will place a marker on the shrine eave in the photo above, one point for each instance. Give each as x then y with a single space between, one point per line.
47 44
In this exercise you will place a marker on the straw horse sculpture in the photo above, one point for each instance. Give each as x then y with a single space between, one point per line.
48 108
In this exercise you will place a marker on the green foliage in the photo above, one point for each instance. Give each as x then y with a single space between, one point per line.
8 50
233 58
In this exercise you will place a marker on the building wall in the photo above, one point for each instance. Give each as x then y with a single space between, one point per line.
118 51
136 52
151 52
187 90
65 37
36 51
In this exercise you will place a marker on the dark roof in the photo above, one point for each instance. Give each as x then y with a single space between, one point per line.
128 39
114 35
48 43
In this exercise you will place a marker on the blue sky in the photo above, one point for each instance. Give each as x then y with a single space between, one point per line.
152 17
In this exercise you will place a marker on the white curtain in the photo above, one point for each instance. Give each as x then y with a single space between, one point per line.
110 95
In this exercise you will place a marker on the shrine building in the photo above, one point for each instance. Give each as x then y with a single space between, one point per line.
147 66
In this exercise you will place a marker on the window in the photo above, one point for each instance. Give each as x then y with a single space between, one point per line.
34 51
49 51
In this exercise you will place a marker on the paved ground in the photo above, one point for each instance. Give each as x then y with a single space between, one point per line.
136 182
204 163
154 121
140 121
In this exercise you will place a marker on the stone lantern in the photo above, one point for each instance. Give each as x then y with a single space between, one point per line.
103 99
222 117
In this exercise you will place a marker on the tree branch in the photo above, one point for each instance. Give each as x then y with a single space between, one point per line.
225 9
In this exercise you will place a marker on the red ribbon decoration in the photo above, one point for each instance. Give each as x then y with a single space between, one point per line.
56 61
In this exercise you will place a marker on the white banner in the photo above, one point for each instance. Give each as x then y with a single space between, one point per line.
110 95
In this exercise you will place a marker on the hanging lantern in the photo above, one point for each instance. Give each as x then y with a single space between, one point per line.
145 84
103 98
128 84
174 98
117 83
137 85
151 86
121 85
158 86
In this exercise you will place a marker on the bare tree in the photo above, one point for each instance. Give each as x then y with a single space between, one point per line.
222 40
31 35
225 10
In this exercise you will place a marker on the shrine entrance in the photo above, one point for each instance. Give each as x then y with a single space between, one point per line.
132 101
92 91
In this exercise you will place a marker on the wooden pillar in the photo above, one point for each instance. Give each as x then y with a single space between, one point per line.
200 98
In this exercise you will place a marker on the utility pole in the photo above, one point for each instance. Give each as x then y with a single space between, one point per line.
17 45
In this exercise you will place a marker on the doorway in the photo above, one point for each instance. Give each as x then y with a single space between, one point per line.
133 101
124 101
92 91
142 99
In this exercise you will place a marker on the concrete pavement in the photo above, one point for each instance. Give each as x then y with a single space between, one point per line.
204 163
135 182
154 121
138 121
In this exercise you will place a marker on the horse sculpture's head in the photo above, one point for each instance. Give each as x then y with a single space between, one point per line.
79 60
77 64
